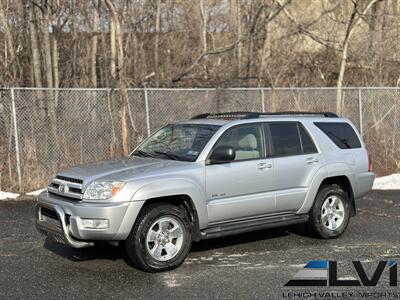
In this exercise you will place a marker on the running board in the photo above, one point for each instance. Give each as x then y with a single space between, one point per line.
242 226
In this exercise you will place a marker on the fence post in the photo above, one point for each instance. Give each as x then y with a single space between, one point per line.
262 100
146 101
16 140
360 111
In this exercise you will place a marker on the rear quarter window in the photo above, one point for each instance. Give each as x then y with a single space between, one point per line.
342 134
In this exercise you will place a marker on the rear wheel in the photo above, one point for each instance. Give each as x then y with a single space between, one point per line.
330 214
161 238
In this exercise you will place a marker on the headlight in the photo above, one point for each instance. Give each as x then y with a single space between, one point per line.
102 190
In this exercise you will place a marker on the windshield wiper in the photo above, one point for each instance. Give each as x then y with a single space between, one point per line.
169 155
343 141
142 153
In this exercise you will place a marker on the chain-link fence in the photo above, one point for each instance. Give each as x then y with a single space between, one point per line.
44 130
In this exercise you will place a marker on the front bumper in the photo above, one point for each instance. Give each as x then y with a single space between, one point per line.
65 221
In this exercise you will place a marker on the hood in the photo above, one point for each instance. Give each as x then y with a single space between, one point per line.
121 169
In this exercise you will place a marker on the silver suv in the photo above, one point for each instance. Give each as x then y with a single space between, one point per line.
212 176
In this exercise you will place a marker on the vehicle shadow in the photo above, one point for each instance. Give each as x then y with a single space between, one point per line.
105 251
250 237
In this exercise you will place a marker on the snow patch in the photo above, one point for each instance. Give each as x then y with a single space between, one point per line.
390 182
8 195
35 193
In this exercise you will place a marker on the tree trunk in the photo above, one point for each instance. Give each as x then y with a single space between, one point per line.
265 53
156 42
386 17
74 58
250 49
239 38
372 28
103 41
233 10
54 57
204 25
113 50
93 48
47 46
37 72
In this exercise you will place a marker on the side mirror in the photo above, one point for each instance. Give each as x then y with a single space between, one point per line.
222 154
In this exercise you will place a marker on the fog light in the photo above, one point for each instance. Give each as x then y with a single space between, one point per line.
95 223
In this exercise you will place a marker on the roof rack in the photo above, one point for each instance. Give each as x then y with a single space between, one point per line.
253 115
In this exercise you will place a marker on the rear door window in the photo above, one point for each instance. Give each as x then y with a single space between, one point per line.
342 134
290 138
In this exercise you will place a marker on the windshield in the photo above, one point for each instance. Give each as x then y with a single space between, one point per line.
177 142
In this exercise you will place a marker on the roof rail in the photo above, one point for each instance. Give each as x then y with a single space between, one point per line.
254 115
225 115
298 113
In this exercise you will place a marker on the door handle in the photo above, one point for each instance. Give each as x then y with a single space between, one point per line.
261 166
312 160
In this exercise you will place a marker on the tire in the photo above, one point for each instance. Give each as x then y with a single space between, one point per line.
147 238
325 213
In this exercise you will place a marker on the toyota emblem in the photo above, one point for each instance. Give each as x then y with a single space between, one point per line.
63 188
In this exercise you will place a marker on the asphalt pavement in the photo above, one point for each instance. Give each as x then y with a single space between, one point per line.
248 266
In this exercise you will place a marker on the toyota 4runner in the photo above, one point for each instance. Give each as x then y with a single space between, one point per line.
212 176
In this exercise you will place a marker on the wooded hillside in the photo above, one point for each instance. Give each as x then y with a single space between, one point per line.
199 43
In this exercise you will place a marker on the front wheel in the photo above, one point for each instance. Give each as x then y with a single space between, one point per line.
330 213
161 238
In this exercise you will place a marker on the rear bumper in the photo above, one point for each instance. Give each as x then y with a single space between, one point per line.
66 225
365 182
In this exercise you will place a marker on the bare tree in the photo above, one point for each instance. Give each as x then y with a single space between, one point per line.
11 61
118 40
354 20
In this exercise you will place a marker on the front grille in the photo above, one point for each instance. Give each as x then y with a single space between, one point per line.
74 180
75 190
54 185
67 187
48 212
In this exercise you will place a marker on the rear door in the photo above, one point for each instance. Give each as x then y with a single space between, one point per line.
296 160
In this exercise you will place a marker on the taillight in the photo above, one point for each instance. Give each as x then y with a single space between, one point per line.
369 163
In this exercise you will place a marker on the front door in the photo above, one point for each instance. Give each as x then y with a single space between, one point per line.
239 189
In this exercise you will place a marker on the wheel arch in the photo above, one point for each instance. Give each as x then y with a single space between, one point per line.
184 201
178 192
344 182
336 173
